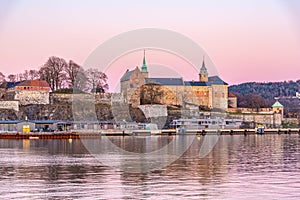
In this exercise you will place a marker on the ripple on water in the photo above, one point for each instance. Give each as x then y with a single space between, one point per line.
237 168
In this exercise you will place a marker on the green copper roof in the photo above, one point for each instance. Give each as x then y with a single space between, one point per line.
144 67
277 104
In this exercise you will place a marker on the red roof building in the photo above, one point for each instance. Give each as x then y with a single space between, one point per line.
36 85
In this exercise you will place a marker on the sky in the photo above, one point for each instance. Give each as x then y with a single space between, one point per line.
249 40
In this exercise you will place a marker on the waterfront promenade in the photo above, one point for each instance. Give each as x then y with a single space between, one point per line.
164 132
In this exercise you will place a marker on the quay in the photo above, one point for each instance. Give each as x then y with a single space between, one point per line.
164 132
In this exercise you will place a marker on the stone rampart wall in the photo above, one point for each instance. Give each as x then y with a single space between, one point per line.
99 98
267 119
9 105
154 110
291 120
251 110
31 97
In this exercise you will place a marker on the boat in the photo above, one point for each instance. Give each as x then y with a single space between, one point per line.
206 123
260 129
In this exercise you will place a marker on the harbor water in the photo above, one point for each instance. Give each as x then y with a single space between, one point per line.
237 167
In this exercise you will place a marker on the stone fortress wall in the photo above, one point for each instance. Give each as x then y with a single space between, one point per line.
9 105
220 96
31 97
98 98
271 120
154 110
11 100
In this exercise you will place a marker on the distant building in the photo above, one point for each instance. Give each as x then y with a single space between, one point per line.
33 85
278 108
210 92
270 117
27 92
232 100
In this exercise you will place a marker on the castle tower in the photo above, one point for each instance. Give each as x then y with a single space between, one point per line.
144 67
278 108
203 75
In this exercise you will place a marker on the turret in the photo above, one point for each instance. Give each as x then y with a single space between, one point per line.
278 108
203 75
144 67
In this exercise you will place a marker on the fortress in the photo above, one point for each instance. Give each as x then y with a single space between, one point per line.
208 92
140 91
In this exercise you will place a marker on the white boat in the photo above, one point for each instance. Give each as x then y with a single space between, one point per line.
208 123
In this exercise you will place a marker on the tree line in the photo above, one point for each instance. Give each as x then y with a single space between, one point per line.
268 90
60 74
259 95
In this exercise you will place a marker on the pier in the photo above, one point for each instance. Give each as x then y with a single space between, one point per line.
164 132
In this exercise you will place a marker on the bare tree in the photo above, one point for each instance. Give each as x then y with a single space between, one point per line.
25 75
53 72
2 77
46 74
19 77
97 80
76 76
12 78
33 74
251 101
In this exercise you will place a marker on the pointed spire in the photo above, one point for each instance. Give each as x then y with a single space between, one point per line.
203 69
144 60
144 67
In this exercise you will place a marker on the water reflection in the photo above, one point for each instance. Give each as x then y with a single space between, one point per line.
238 167
138 154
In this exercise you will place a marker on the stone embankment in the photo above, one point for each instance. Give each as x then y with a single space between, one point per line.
141 133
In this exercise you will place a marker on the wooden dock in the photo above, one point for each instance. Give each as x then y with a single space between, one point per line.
166 132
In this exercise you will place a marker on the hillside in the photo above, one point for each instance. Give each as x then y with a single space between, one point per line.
255 95
268 90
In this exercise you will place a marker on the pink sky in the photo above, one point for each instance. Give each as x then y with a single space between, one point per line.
247 40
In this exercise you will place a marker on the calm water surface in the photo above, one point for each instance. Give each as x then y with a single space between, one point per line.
238 167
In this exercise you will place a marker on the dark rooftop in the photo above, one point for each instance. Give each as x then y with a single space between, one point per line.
216 80
164 81
195 83
44 121
34 83
12 84
126 76
10 121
